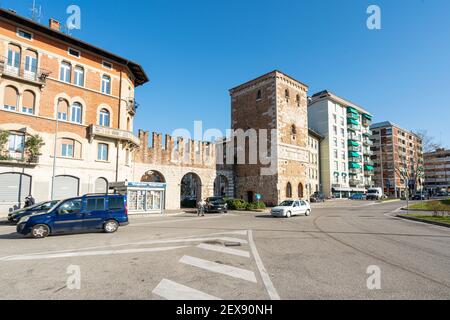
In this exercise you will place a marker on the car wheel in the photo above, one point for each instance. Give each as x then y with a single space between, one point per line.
308 213
288 215
111 226
40 231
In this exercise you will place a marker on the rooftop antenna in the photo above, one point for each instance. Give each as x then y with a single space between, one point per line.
36 12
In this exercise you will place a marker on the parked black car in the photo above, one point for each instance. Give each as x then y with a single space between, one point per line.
317 197
42 207
421 196
216 204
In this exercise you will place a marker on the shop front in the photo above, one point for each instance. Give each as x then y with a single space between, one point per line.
142 197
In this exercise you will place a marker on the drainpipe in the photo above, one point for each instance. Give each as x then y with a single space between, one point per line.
118 126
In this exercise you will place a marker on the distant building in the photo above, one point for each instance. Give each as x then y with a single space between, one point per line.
345 152
313 181
396 148
437 170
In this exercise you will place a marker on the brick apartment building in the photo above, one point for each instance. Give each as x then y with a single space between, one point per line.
62 89
437 170
395 149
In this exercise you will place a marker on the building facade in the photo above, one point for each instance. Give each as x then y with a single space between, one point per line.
271 111
398 159
313 181
437 170
66 113
345 152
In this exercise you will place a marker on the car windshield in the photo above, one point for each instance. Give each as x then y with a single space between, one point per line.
372 191
287 204
216 200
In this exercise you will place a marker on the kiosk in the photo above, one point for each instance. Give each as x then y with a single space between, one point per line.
142 197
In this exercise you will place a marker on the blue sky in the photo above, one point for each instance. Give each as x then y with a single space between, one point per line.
194 51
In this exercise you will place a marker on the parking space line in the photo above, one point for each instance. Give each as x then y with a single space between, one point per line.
220 268
87 254
222 249
174 291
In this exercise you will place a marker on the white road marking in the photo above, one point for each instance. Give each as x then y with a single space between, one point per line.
220 268
174 291
222 249
88 253
169 221
179 240
262 270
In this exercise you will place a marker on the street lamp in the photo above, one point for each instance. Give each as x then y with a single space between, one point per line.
55 147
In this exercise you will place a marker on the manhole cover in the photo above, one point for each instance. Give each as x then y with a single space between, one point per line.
214 242
232 244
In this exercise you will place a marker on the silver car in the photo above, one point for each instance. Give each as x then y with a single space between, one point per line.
291 208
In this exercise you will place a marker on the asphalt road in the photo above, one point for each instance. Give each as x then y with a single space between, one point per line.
236 256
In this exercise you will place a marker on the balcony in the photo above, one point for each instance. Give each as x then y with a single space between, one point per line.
354 116
354 171
368 152
116 134
369 162
23 72
18 158
368 142
354 149
369 173
355 182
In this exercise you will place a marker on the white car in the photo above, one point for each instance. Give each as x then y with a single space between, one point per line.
291 208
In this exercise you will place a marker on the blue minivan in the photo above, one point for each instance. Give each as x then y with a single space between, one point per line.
90 212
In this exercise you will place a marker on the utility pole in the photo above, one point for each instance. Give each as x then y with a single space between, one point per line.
55 150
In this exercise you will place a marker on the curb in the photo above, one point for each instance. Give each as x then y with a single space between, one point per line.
424 221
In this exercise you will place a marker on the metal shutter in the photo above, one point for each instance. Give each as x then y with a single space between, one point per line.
65 187
10 183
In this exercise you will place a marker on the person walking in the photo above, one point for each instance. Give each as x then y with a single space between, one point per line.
201 208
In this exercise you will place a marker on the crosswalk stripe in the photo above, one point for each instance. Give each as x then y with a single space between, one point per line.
220 268
174 291
222 249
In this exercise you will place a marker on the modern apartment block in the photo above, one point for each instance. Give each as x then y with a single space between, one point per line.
345 152
396 149
78 98
437 170
313 182
273 103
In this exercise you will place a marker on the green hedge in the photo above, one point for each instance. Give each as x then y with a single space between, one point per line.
241 205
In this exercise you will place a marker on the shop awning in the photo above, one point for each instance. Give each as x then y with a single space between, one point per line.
354 165
353 121
354 154
369 168
367 116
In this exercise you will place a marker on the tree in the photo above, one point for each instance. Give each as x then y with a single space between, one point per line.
3 140
409 171
33 146
428 142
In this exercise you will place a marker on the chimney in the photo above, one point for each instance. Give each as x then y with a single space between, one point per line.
54 24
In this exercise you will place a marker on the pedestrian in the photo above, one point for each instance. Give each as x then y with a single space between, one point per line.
201 208
29 201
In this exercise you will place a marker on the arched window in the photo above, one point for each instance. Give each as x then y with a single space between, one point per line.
11 98
69 148
101 185
28 103
79 76
31 63
76 112
65 72
300 191
289 190
14 57
106 84
259 95
63 110
293 132
104 118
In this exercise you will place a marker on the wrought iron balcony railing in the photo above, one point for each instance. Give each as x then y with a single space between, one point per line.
23 71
